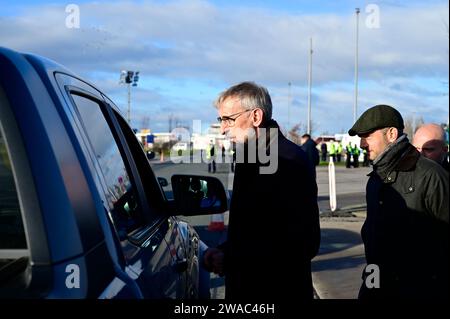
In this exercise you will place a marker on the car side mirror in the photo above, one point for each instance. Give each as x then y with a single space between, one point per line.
163 182
198 195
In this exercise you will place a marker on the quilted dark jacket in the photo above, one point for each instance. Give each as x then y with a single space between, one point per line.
406 230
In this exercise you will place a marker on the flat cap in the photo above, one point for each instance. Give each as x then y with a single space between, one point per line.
377 117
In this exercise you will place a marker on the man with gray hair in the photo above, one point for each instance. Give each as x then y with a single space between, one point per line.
429 140
273 230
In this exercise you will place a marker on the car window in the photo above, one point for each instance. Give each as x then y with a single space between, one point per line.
121 192
140 151
12 234
151 187
13 260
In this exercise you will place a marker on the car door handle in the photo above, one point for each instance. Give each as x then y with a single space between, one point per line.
181 265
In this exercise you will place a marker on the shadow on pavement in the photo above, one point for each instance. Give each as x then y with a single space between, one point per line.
335 239
217 282
337 263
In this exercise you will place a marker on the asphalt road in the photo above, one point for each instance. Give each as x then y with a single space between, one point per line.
350 183
339 264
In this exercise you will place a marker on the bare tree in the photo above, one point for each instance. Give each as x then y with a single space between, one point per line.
163 147
448 32
295 133
412 124
314 127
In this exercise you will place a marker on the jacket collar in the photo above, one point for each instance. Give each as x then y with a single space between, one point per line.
409 160
402 157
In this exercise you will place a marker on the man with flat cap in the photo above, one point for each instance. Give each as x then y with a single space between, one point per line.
405 233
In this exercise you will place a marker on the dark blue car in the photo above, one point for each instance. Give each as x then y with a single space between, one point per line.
82 214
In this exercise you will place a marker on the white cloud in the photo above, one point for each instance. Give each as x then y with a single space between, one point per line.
183 41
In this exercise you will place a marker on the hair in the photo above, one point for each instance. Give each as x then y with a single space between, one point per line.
251 96
306 136
400 131
386 129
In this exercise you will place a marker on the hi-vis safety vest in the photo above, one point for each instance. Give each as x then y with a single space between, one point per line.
349 149
332 149
208 152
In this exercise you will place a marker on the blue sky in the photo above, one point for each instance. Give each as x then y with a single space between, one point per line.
189 51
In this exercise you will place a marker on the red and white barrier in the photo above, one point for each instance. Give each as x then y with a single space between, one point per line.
217 223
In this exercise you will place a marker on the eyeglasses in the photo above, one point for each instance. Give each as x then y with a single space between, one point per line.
229 120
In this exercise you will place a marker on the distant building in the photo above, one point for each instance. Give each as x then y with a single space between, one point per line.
201 142
164 137
213 136
147 138
324 138
182 137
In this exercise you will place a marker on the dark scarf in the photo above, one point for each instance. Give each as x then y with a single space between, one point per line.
389 159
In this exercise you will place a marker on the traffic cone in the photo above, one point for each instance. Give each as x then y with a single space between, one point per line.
217 223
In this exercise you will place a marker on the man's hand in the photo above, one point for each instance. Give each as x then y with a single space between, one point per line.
213 261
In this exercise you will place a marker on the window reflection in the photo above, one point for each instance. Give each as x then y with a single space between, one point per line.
120 192
12 234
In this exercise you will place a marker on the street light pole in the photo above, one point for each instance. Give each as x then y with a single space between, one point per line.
130 78
129 104
355 106
309 86
289 107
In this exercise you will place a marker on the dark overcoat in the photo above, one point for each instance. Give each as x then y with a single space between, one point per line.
273 229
